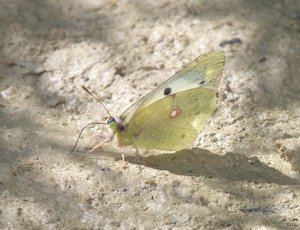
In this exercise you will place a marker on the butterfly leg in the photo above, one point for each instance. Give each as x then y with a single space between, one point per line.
140 157
102 143
138 154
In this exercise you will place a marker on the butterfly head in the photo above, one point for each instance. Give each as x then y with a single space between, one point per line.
115 123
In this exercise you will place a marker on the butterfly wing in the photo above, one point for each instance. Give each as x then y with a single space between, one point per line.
171 123
203 72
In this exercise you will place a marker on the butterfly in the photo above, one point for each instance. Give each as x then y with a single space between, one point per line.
170 116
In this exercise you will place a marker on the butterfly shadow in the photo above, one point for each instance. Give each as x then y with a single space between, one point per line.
198 162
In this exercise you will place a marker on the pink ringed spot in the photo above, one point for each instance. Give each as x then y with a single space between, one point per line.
175 112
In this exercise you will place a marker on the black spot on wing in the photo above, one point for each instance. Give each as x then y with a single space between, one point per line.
167 91
202 82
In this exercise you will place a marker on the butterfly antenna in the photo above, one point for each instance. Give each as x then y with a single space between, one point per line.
98 100
94 123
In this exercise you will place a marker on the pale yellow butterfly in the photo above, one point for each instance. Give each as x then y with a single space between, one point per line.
170 116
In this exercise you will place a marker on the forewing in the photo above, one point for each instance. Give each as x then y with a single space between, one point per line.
203 72
155 126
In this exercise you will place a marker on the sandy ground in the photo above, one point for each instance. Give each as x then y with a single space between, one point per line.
242 173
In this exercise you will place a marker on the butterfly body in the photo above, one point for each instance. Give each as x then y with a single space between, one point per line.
170 117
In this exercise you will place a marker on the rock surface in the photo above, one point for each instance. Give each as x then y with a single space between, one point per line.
243 172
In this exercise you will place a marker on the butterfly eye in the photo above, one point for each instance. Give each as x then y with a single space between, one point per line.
111 120
167 91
